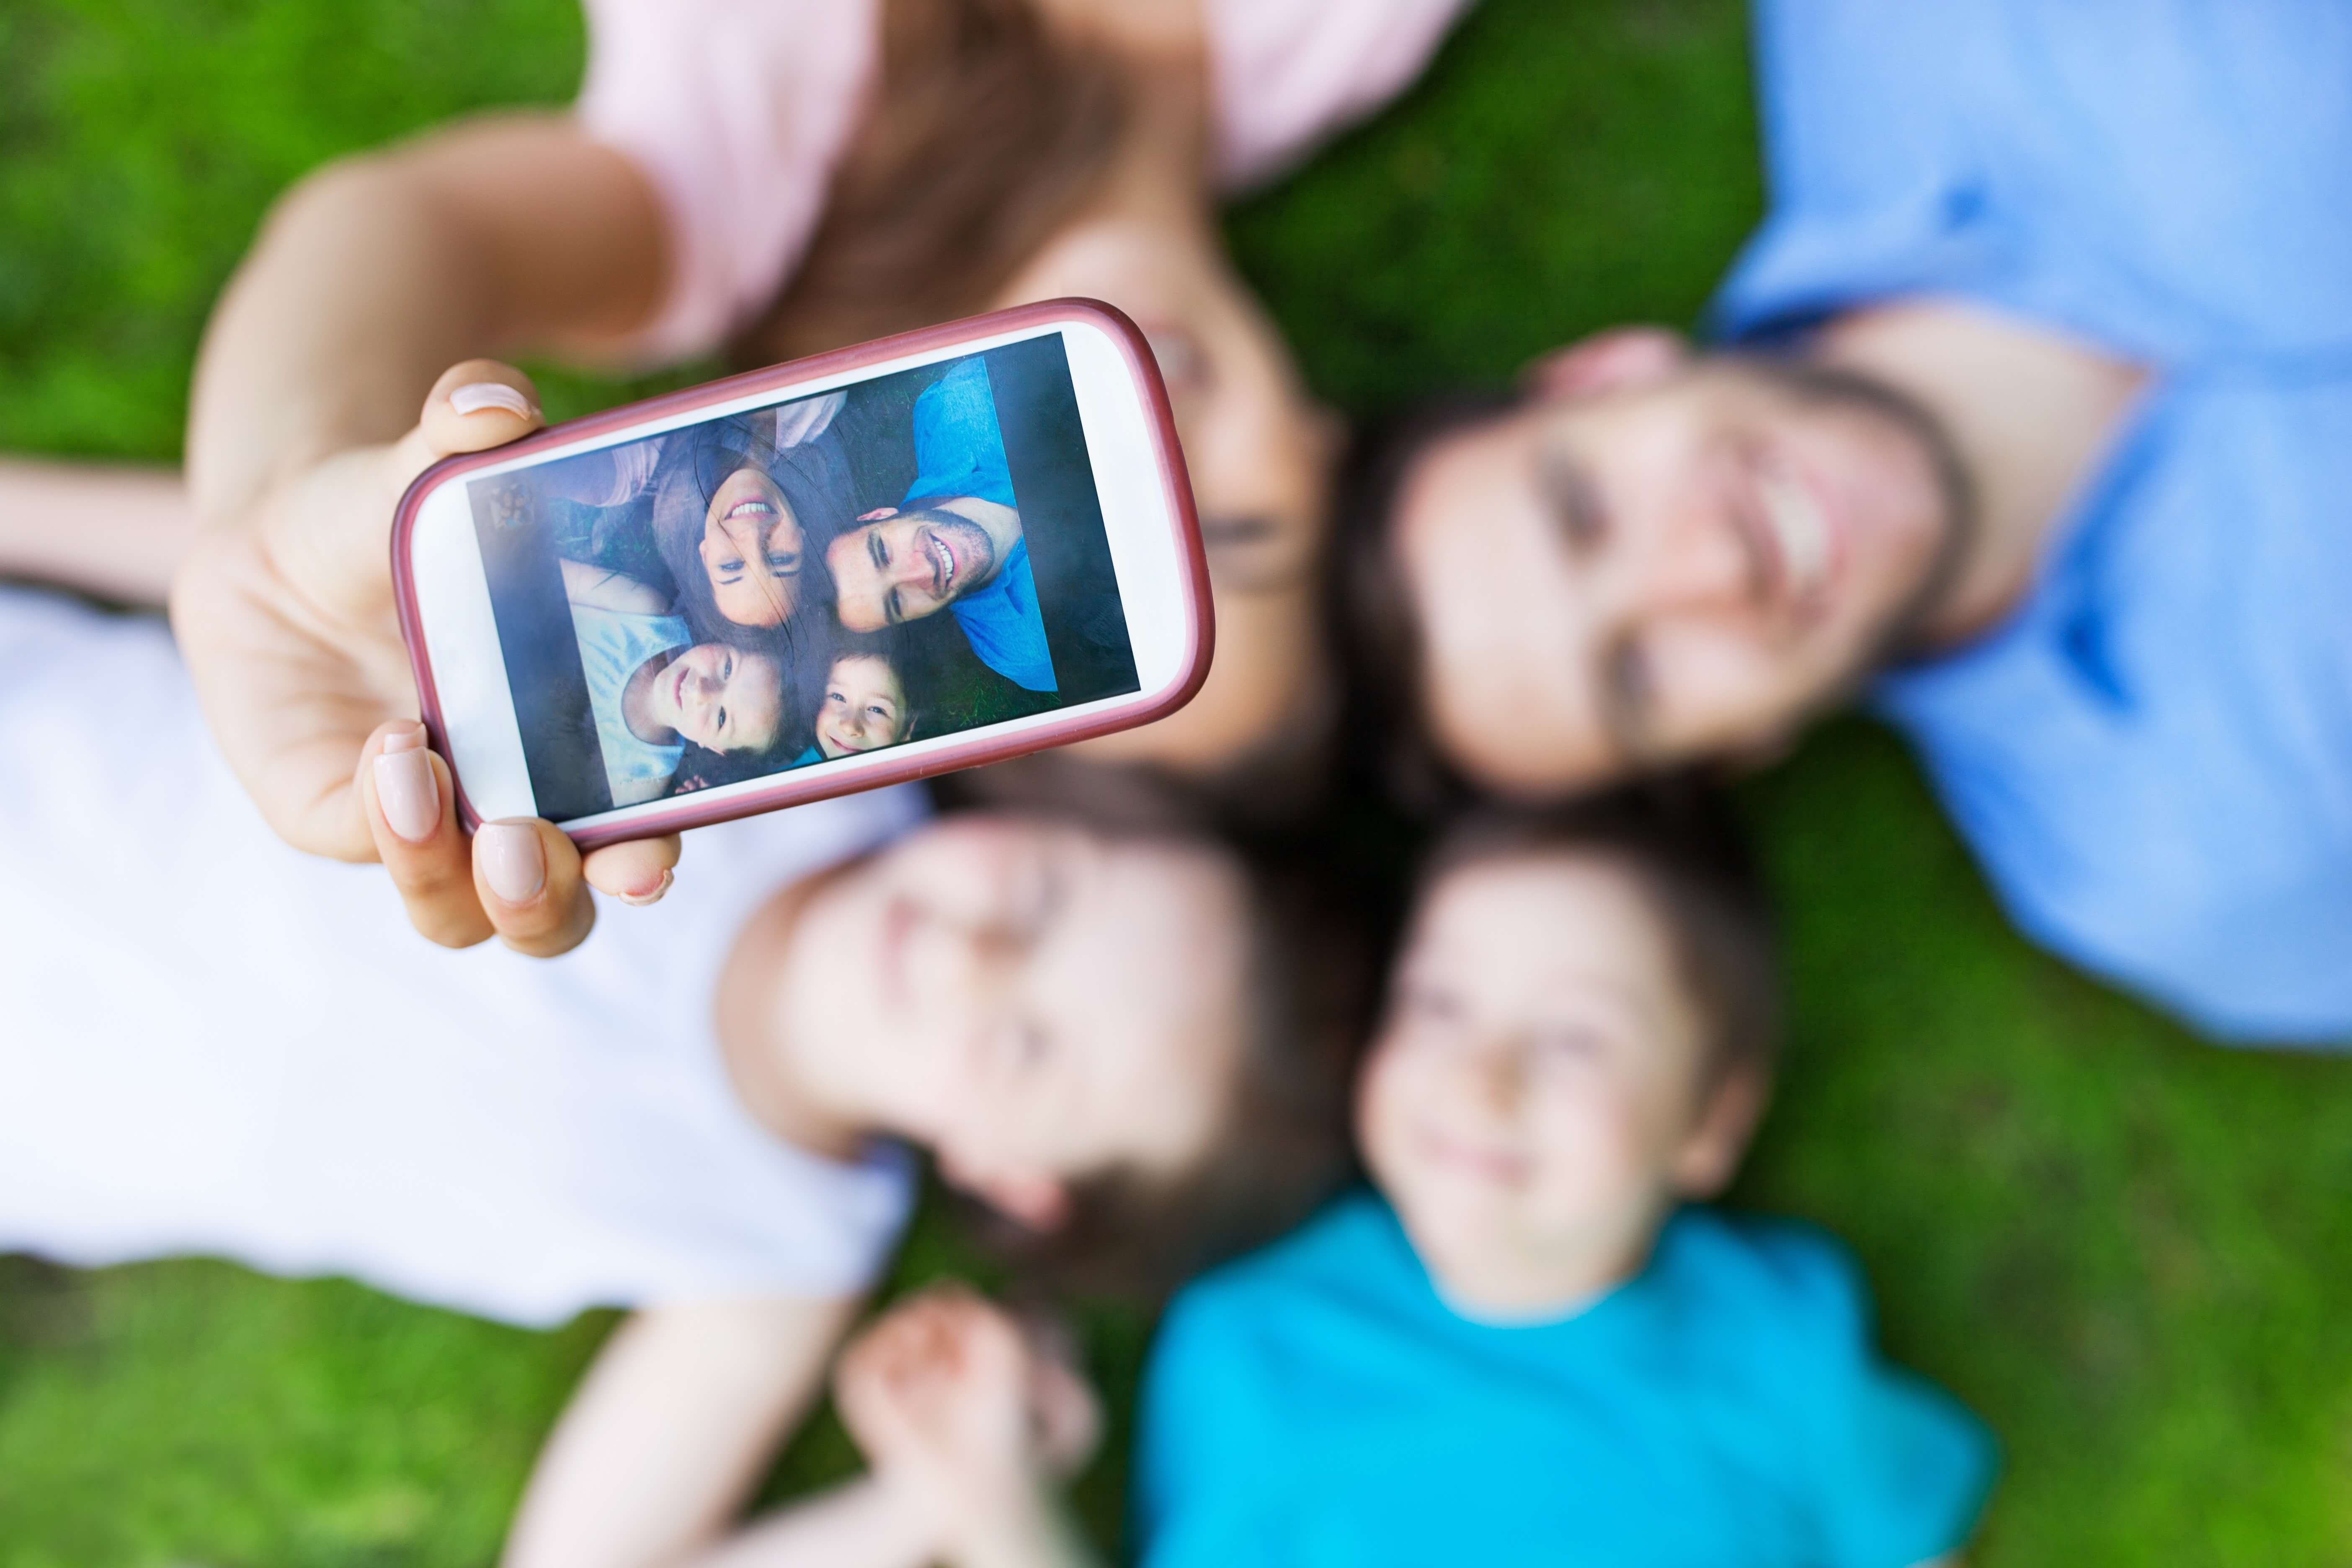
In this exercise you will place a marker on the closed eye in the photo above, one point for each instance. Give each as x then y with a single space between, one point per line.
1575 502
1628 695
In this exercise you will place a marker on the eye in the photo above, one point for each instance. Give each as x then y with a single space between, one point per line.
1429 1003
1564 1045
1031 1046
893 608
721 727
1629 695
727 670
783 565
1574 501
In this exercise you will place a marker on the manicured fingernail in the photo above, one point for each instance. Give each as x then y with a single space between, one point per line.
405 790
476 396
652 895
512 861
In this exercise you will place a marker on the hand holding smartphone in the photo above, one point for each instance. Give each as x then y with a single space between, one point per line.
923 553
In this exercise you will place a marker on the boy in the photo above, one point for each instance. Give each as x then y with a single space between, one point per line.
1527 1344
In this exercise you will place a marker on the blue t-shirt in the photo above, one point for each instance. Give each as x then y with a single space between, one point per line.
1319 1404
2152 756
960 451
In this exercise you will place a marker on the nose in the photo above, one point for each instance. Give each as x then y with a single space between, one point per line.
1700 562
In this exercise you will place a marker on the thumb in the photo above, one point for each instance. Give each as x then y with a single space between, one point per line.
474 406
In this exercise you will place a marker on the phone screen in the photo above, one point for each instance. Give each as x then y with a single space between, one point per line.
913 555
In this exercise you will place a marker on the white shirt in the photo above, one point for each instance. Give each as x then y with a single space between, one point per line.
211 1043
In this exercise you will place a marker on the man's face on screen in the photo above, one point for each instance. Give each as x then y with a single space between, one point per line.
1662 567
904 566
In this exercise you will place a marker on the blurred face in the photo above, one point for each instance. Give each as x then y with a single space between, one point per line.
1260 453
1530 1103
907 566
752 548
1034 1000
1684 565
864 707
719 697
1258 449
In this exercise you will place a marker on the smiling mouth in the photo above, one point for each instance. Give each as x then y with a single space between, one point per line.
1489 1165
755 507
943 564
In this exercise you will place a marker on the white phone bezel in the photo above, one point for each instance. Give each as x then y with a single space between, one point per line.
454 616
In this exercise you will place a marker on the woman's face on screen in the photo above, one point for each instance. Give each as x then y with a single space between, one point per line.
751 547
1031 998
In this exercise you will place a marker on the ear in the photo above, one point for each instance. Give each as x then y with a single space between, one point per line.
1040 1203
877 514
1616 360
1710 1155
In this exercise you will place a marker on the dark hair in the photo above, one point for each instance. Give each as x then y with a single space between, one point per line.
1313 934
816 481
1385 734
985 131
888 645
1675 840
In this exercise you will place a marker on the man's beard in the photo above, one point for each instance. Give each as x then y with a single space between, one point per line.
1898 639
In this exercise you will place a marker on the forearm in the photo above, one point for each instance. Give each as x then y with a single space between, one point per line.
1039 1533
862 1524
375 275
115 532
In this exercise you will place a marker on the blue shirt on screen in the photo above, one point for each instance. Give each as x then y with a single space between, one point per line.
1320 1404
960 451
2152 756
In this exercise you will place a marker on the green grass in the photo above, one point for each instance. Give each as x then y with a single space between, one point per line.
2131 1252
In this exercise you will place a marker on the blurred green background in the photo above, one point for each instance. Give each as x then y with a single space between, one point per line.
2130 1251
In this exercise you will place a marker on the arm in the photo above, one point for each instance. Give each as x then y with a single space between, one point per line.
673 1428
368 280
614 591
119 532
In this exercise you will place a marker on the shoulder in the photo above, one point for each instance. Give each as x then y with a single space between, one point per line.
1290 72
1783 1282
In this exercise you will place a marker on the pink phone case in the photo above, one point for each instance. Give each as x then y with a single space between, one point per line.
799 787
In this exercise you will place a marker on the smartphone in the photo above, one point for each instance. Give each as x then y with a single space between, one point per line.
922 554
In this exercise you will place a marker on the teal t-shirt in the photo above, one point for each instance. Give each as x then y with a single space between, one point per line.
1319 1404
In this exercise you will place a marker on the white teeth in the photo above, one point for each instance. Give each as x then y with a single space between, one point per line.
1803 532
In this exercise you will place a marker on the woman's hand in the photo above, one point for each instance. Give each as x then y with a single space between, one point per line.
288 621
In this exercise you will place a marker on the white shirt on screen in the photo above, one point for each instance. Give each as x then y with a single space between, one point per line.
213 1044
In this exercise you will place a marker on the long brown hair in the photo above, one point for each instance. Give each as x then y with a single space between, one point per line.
984 133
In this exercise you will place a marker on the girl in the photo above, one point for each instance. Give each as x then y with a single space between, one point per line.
217 1045
778 177
652 688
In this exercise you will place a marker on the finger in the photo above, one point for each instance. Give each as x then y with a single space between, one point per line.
639 872
526 875
474 406
410 805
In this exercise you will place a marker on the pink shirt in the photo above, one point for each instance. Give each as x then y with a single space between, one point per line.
738 110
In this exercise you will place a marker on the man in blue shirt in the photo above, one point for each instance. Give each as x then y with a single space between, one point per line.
2030 418
955 543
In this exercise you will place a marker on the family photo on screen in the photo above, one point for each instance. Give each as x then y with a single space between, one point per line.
805 582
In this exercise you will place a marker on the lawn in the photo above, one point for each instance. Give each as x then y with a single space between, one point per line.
2130 1251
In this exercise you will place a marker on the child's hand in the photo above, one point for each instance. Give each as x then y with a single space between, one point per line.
288 621
950 1400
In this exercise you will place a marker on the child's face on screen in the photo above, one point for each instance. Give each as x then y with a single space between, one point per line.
726 699
864 707
751 547
1034 1000
1530 1105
